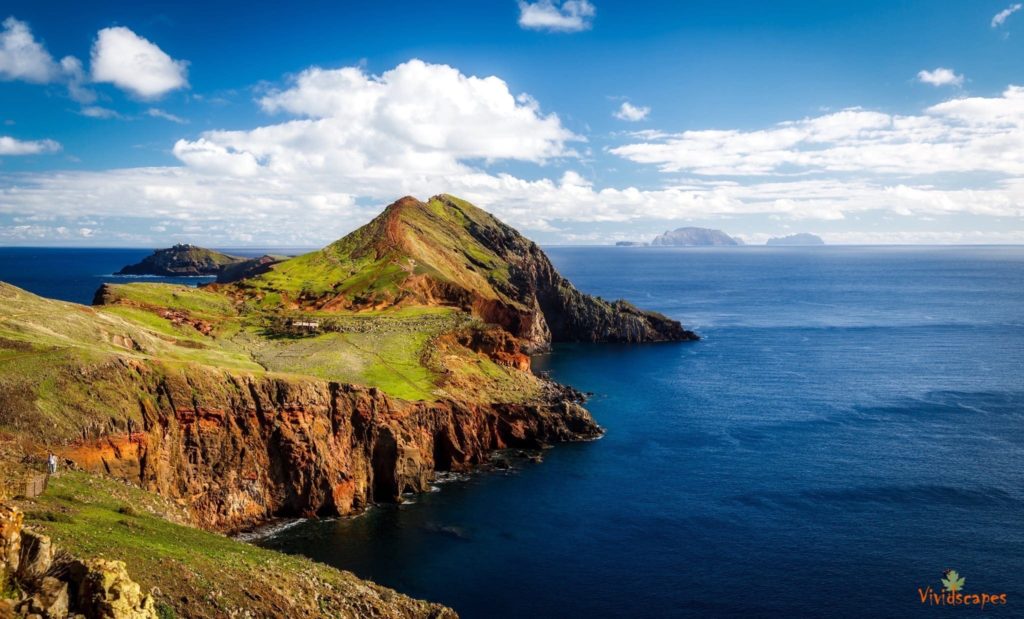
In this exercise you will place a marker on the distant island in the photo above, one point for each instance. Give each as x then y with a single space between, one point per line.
184 260
631 244
802 238
694 237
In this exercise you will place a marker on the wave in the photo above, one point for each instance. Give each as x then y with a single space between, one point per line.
269 529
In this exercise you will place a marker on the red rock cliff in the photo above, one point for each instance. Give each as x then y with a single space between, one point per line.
238 448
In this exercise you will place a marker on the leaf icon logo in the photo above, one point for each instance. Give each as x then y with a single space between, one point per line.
953 582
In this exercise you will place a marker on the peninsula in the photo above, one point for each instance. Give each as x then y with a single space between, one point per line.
320 386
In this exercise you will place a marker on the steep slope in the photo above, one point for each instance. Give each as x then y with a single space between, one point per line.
451 253
179 410
332 381
150 390
694 237
182 260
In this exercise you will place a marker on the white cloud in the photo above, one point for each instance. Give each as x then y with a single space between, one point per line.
940 77
555 16
76 78
350 142
12 146
416 119
156 112
22 57
134 64
1000 18
632 113
966 135
95 111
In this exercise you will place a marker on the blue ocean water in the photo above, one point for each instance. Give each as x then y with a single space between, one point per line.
851 425
74 274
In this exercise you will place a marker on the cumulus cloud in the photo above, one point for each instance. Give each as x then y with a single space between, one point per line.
632 113
134 64
974 134
554 16
345 142
1000 18
416 119
940 77
22 57
12 146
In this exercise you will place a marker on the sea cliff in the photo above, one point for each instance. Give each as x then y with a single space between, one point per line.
314 386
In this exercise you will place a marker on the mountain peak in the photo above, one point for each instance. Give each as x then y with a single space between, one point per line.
448 252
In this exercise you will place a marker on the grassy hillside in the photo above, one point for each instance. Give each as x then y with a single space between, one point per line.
47 347
199 574
380 264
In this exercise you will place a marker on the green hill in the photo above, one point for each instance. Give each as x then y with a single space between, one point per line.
447 252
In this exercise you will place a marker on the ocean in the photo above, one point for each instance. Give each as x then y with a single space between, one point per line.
851 426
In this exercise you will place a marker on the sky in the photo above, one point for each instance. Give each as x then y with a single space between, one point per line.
271 124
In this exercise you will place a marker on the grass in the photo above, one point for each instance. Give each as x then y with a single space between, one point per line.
56 357
195 301
199 574
374 264
389 360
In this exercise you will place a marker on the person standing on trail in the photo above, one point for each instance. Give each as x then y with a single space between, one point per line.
51 464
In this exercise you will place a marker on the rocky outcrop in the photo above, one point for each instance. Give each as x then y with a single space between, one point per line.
11 521
694 237
182 260
237 449
105 591
52 586
247 268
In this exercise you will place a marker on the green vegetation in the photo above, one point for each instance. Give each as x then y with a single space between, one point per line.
199 303
378 297
197 573
381 263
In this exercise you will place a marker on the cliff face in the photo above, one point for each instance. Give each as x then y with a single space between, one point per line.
555 311
694 237
181 260
238 448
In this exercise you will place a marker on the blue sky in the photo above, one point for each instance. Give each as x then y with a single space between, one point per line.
235 124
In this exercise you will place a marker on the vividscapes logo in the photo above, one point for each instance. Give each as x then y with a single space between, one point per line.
952 594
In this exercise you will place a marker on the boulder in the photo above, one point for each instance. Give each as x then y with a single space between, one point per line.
36 556
11 520
50 600
105 591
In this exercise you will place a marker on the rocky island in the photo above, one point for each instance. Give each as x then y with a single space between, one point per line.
184 260
321 385
694 237
801 238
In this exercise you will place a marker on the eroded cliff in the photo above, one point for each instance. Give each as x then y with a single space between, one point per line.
240 448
